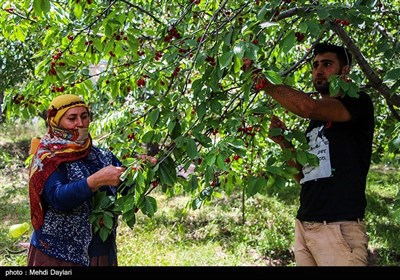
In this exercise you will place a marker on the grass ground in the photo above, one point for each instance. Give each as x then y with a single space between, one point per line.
216 235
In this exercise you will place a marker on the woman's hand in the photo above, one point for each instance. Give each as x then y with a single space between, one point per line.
107 176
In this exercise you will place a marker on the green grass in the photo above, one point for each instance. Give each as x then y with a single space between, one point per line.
213 235
382 225
216 235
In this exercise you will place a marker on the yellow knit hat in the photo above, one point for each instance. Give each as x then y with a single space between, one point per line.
61 104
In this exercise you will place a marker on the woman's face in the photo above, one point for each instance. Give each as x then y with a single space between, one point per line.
74 118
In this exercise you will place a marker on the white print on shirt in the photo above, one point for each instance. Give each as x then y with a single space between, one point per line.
319 146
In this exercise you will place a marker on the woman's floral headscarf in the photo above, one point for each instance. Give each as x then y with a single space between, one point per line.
57 146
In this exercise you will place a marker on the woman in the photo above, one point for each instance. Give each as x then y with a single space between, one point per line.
65 172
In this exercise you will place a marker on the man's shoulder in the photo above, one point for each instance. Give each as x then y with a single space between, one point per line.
360 97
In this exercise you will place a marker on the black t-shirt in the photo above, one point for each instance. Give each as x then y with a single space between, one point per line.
336 190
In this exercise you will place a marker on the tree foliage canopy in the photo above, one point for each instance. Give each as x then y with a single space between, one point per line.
170 72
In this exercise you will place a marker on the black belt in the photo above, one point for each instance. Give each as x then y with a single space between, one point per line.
334 221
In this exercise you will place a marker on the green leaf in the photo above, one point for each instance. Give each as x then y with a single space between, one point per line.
273 77
239 49
130 218
228 38
298 135
177 131
19 33
210 158
333 85
153 117
225 60
394 144
201 110
301 157
167 172
261 13
98 44
191 149
256 185
251 51
237 64
274 169
108 30
313 27
104 233
323 13
271 181
149 206
275 131
215 106
303 27
204 140
41 7
363 9
288 42
286 154
221 162
78 11
196 203
171 125
392 75
108 221
148 136
194 183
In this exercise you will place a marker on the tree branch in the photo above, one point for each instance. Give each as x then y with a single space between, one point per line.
142 10
374 79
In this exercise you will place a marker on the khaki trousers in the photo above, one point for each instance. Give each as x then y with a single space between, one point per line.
341 243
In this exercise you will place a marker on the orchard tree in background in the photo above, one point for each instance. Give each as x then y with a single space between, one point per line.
169 74
16 65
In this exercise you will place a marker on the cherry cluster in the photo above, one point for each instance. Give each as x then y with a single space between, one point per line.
141 82
159 54
55 88
211 60
343 22
20 100
172 33
120 36
235 157
176 71
260 84
131 136
247 130
299 36
53 71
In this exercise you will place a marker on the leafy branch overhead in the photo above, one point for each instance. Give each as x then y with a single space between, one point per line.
168 74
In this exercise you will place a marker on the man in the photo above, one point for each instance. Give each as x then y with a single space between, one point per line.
329 228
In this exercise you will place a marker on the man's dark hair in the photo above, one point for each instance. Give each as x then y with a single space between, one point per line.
342 53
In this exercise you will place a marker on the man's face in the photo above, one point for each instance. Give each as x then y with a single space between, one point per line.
324 66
